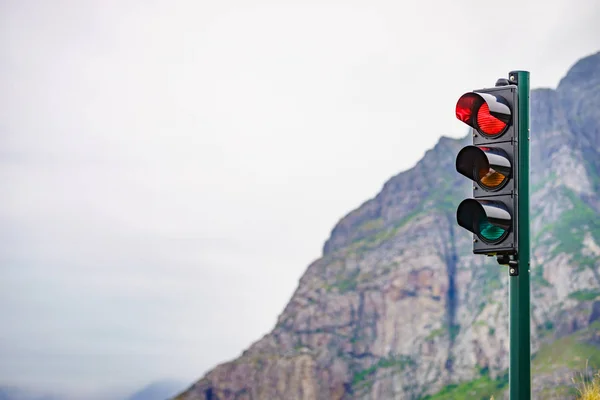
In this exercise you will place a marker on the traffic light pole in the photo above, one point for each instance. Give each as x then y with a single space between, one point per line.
520 335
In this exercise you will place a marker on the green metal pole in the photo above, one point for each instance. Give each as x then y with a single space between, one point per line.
520 335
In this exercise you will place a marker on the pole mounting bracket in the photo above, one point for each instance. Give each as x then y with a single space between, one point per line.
511 261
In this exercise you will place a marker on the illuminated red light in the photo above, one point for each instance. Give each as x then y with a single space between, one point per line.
489 114
464 107
488 124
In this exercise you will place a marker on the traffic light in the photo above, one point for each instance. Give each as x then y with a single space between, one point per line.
497 162
491 162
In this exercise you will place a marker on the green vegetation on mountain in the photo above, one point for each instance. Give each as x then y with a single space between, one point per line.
481 388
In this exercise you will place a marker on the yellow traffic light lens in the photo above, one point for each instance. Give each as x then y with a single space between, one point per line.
491 179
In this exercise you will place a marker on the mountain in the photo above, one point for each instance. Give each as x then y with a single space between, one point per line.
14 393
157 391
398 307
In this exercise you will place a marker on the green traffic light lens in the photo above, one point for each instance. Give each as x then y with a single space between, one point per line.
491 233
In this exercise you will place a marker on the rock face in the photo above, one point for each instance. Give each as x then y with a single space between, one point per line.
399 308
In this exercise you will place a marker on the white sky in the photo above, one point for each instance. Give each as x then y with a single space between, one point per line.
169 169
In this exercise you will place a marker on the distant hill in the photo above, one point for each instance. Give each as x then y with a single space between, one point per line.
161 390
13 393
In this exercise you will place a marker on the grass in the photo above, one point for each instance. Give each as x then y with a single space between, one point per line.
588 389
346 281
370 225
379 236
569 230
567 351
436 332
363 377
478 389
573 352
545 329
585 295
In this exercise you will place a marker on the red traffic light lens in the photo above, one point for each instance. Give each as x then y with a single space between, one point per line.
487 113
488 124
464 107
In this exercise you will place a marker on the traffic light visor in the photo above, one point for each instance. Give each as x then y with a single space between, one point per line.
489 220
490 167
489 114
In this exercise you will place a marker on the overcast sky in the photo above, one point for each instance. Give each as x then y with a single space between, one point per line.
168 169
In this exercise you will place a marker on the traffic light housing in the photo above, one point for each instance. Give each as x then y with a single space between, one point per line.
491 162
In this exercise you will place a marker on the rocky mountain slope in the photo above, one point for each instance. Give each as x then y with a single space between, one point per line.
399 308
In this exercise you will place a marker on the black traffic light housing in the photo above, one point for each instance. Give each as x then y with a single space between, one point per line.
491 162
